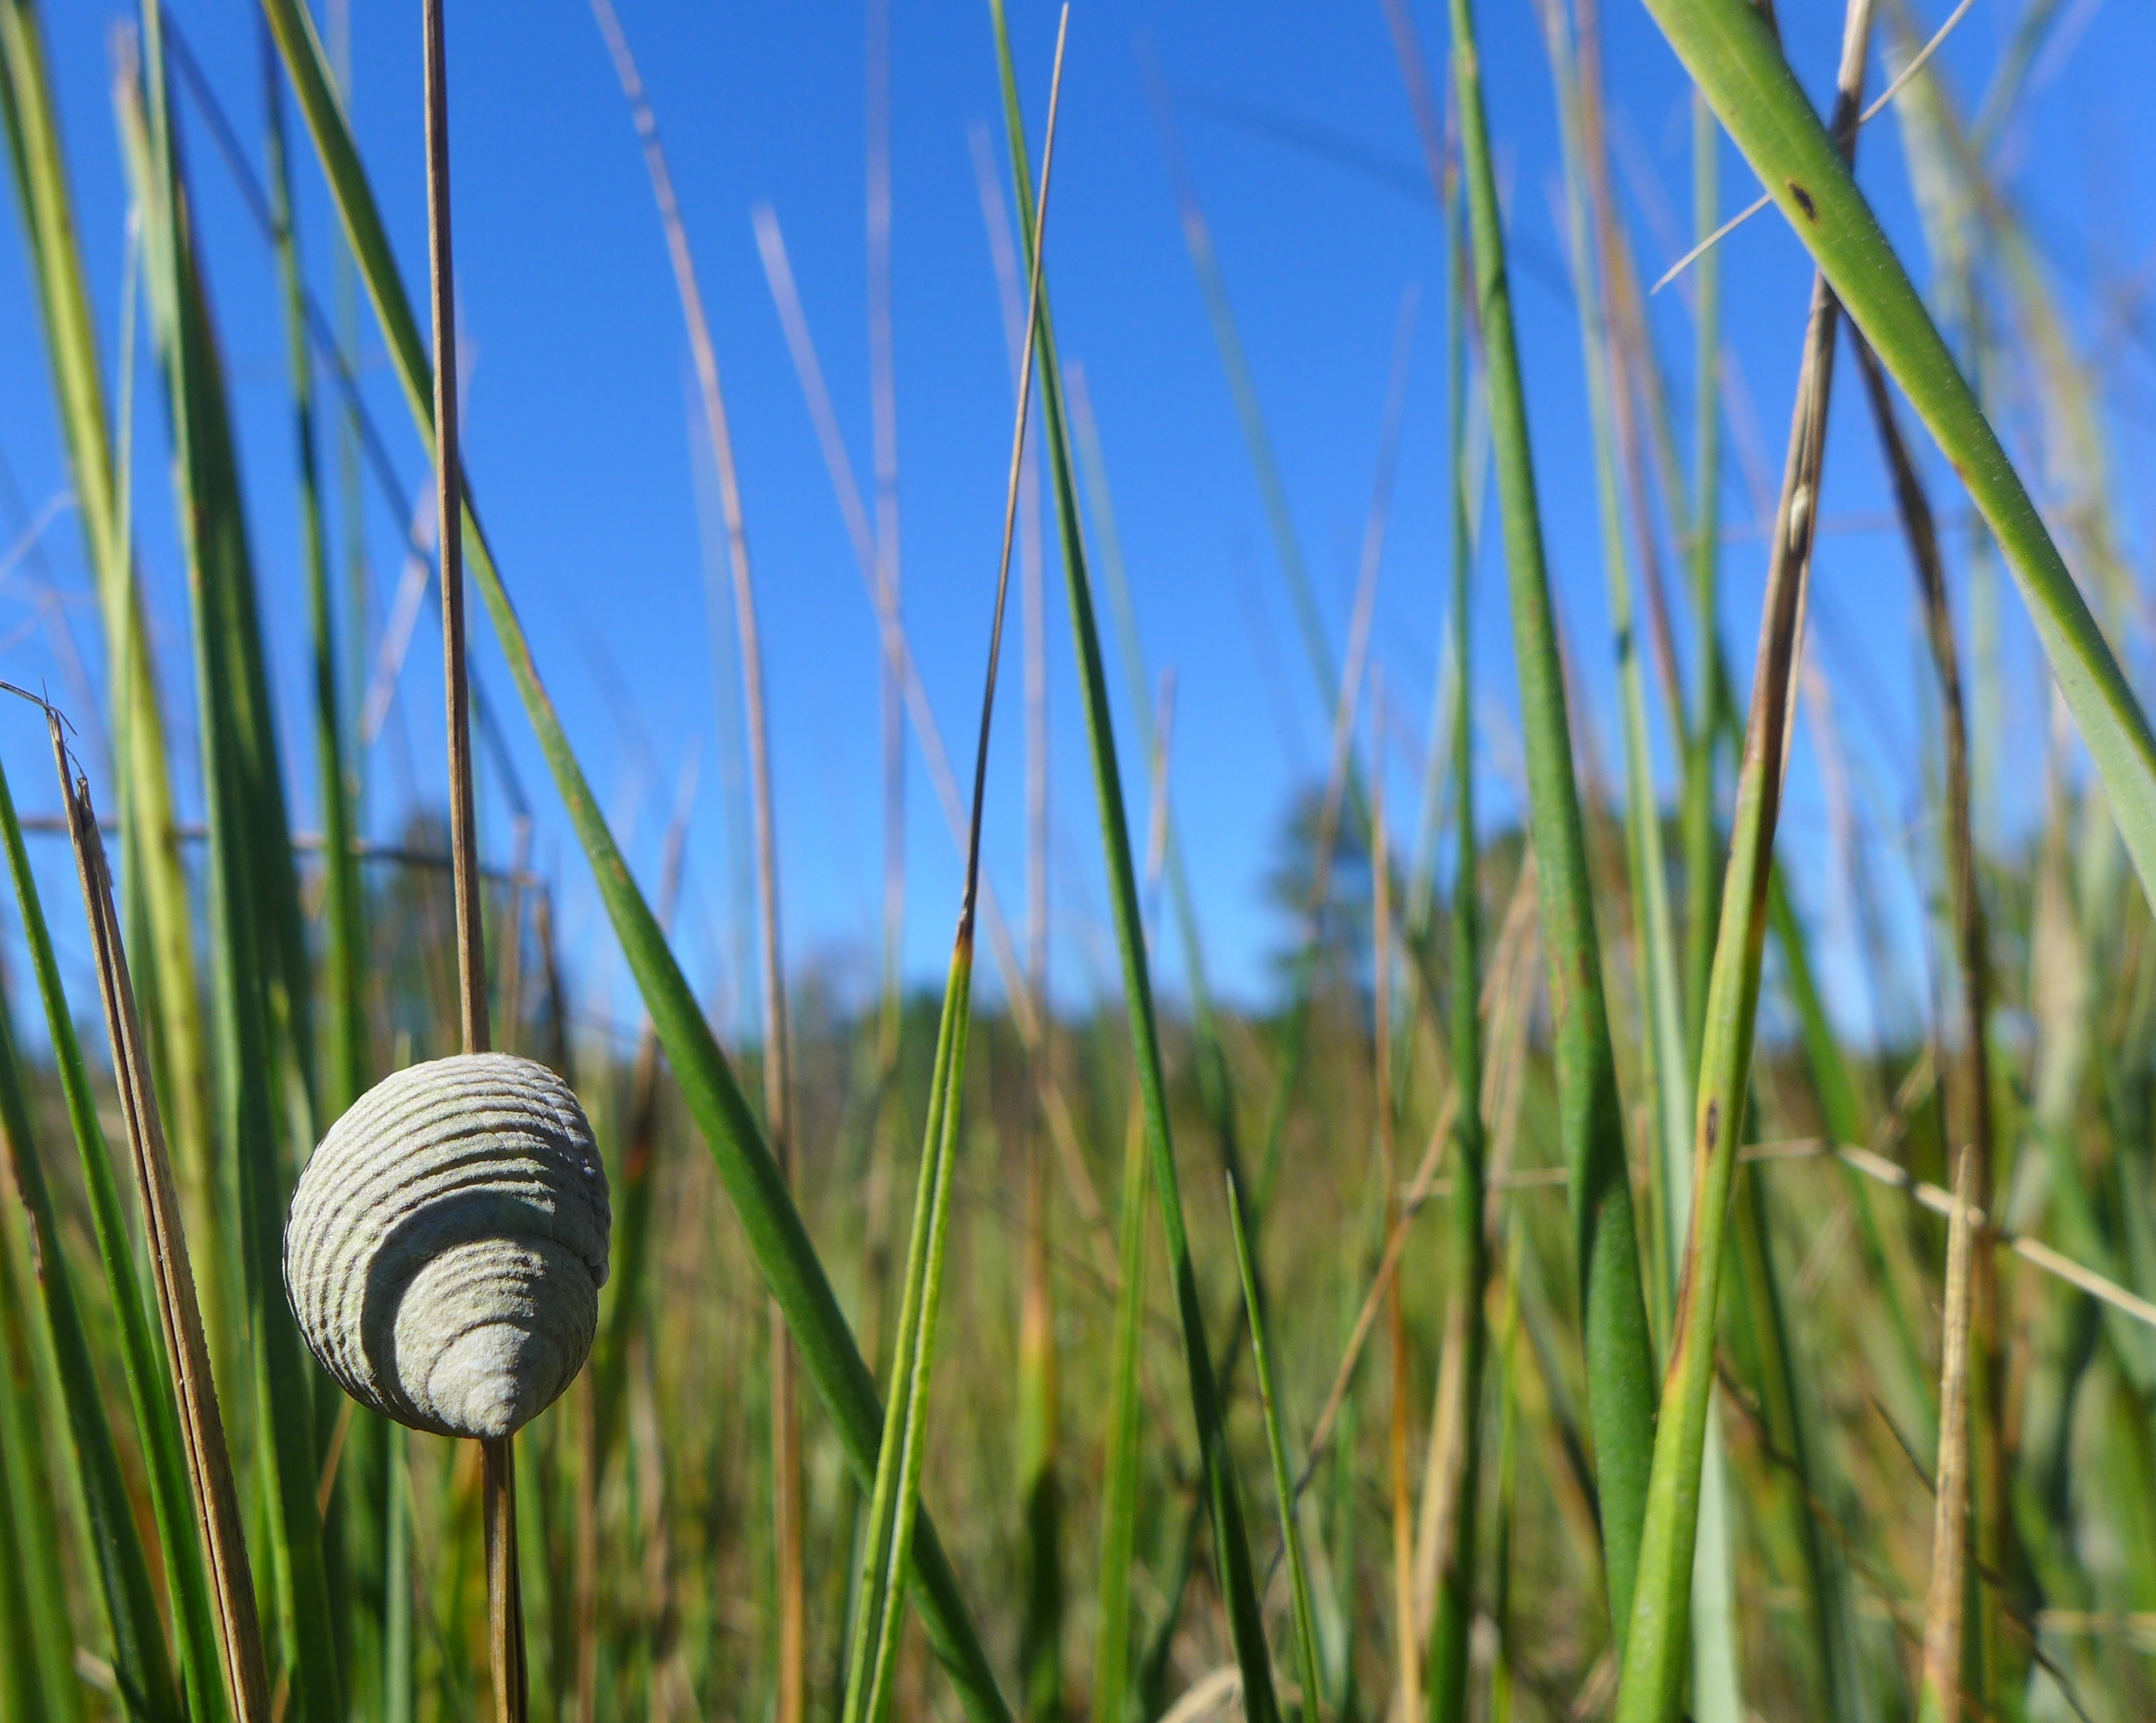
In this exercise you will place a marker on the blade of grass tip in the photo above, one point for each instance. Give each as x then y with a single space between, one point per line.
1308 1665
1990 1457
1653 1671
1715 1697
1939 1699
886 1552
39 1679
100 489
1736 62
201 1423
785 1258
1702 871
1125 1406
245 819
1619 1355
1231 1546
344 947
140 1656
1460 1482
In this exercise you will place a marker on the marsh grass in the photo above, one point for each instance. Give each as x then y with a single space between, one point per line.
1645 1030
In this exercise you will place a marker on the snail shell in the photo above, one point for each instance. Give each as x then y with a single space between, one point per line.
447 1243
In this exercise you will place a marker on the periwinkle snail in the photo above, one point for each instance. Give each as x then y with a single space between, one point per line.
447 1243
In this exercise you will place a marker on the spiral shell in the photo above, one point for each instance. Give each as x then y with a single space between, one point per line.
447 1243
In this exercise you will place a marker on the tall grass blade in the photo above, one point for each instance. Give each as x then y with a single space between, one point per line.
1939 1700
886 1552
785 1257
1735 60
1620 1370
261 978
1702 857
344 949
39 1679
1309 1668
1231 1546
140 1658
1466 1335
201 1421
1653 1671
1716 1698
101 487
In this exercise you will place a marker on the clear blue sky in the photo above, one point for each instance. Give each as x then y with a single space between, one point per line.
1302 149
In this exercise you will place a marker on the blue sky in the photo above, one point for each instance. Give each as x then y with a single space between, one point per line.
1302 150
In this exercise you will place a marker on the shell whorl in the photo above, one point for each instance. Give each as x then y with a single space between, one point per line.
447 1243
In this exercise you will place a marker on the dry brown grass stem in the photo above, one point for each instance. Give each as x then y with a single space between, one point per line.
201 1423
1941 1696
504 1601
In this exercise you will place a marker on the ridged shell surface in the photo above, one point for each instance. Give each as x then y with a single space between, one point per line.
447 1243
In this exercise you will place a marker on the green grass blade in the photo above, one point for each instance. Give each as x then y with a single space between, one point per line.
138 1635
1231 1546
1702 855
261 980
1465 1330
1737 64
1307 1663
100 487
344 946
785 1257
1119 1481
886 1552
37 1642
1716 1696
1621 1368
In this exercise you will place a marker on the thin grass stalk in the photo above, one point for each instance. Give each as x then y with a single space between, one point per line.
505 1603
883 401
1407 1636
1940 1697
1651 1687
248 898
23 1663
101 492
139 1636
1055 1105
788 1485
344 957
1990 1464
887 1552
1736 62
1460 1482
785 1258
1619 1354
38 1678
1120 1466
1716 1696
1040 1501
1508 1478
201 1421
1309 1668
1231 1546
1702 871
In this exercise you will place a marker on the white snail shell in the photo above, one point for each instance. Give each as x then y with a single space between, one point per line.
447 1243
